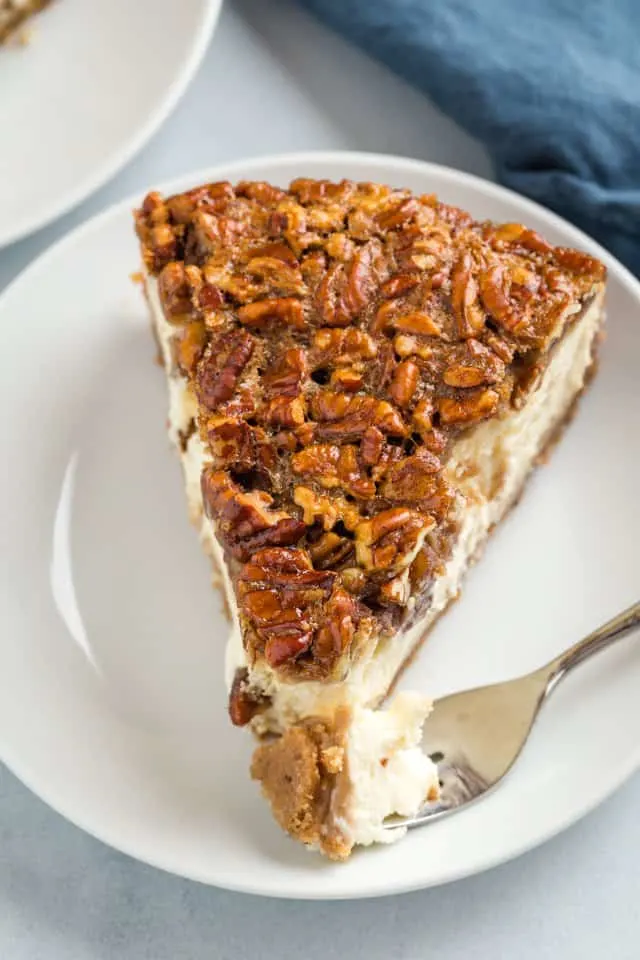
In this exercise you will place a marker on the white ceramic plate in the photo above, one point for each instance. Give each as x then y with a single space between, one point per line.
113 707
95 82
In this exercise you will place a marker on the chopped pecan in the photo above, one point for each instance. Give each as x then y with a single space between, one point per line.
417 322
396 214
576 261
339 246
458 375
341 345
396 591
346 417
188 346
404 383
276 276
244 705
209 297
286 411
408 346
494 289
285 310
508 235
326 510
286 568
319 191
390 540
464 298
474 406
333 466
471 364
174 290
346 288
261 191
331 551
163 245
422 415
347 379
339 625
398 284
245 520
286 378
418 478
238 446
371 446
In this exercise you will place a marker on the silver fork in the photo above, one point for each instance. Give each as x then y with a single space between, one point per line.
476 736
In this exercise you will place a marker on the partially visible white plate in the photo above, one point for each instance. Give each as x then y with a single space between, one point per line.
85 94
113 707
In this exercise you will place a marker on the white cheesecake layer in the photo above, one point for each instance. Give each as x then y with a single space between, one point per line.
503 452
386 771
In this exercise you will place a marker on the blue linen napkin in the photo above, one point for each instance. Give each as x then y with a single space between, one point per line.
551 87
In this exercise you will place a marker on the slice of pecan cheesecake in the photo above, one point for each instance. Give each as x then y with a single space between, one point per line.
360 382
14 13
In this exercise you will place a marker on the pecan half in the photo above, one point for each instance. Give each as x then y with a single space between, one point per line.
404 383
221 367
346 288
288 374
464 298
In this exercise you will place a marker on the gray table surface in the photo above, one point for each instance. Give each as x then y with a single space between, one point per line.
274 81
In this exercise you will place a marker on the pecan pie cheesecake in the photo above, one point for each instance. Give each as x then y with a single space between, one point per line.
13 14
360 382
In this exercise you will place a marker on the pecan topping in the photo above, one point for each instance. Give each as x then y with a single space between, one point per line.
339 338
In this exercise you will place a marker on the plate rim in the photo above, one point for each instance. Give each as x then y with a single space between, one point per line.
291 890
115 161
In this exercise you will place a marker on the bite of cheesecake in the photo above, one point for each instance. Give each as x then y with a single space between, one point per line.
360 382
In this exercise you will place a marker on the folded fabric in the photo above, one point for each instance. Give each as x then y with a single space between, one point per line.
551 87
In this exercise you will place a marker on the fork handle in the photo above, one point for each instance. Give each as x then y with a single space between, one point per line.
600 639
